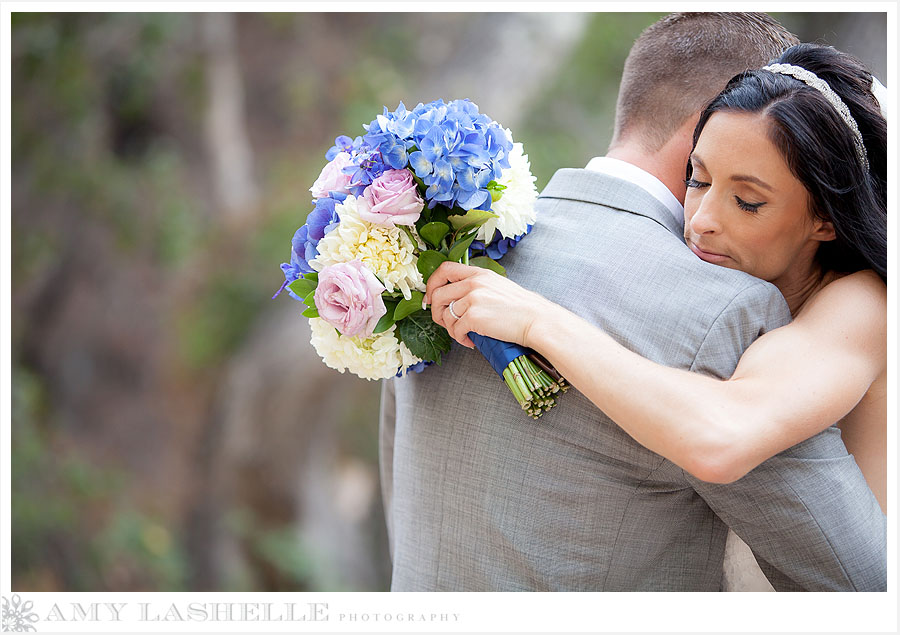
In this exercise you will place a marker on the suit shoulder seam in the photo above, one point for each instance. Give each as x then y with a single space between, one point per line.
715 321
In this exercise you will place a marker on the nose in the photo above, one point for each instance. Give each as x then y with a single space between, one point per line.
705 219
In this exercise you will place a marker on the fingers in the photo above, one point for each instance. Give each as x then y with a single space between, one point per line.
440 312
440 305
452 282
441 299
448 272
458 327
460 334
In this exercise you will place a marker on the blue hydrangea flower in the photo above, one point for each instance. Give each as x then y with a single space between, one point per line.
389 134
459 151
368 165
452 147
343 143
302 251
324 218
304 244
498 246
415 368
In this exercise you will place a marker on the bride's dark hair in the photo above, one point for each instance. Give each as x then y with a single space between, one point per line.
818 145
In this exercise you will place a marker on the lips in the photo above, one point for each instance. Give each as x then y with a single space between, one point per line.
708 256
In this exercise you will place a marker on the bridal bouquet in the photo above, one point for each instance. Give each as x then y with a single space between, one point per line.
440 182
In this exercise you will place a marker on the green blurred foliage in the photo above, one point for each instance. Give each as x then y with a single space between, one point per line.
214 322
281 548
73 525
74 521
60 141
572 120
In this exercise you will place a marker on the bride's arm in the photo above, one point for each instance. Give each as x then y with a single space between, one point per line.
790 384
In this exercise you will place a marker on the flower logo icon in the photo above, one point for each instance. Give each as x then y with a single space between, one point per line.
18 616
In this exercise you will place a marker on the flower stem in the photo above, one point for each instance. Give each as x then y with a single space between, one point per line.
523 387
513 388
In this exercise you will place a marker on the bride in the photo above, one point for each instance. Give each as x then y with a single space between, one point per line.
786 181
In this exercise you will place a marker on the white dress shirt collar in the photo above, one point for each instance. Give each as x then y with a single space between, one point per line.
641 178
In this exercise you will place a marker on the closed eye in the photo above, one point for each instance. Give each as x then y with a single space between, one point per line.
694 183
747 206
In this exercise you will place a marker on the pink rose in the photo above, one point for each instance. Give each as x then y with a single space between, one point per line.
348 297
391 199
332 178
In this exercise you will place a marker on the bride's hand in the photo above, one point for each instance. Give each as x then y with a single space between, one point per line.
486 303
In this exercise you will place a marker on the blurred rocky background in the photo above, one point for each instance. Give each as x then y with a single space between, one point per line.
172 428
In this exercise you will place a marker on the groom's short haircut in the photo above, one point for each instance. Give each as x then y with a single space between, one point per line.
678 64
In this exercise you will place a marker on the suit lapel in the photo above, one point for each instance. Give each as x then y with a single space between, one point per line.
601 189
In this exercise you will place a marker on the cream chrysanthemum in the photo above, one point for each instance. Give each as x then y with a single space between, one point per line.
515 209
386 251
376 357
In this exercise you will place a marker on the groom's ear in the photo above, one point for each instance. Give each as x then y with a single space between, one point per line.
823 231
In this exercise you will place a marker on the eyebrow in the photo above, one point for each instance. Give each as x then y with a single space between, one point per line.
737 177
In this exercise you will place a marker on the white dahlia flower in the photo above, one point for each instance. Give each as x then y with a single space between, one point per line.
377 357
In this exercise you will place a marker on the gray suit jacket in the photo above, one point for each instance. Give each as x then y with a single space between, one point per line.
479 497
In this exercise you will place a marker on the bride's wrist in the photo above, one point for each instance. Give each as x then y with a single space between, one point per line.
539 329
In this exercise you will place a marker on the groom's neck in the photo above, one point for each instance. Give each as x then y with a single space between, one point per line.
667 164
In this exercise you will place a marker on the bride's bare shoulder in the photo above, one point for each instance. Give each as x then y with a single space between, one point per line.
853 304
864 287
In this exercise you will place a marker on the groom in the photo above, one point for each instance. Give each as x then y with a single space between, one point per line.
479 497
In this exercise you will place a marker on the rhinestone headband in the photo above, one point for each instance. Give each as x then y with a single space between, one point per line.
814 81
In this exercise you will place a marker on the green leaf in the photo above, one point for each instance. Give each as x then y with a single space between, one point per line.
423 337
428 262
406 307
314 276
310 299
437 214
311 312
434 232
302 286
488 263
496 190
472 218
387 320
459 248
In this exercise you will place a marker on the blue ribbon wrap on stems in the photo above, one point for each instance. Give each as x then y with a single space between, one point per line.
531 379
498 354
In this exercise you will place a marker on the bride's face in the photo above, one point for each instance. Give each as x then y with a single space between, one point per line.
744 209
